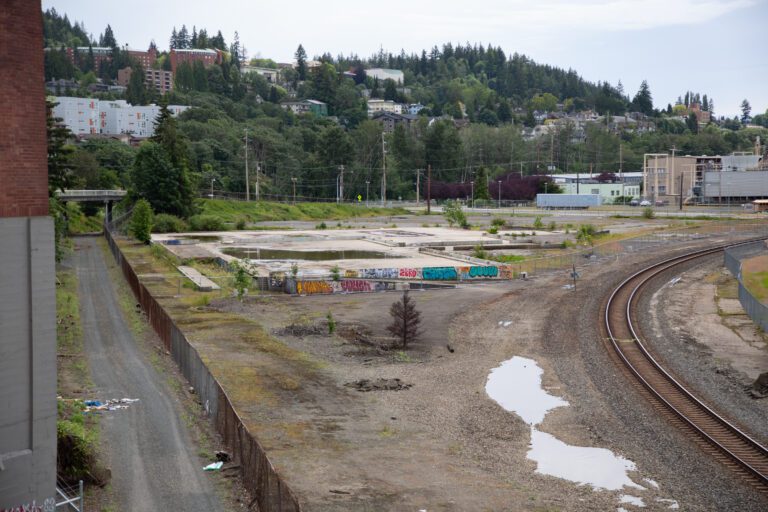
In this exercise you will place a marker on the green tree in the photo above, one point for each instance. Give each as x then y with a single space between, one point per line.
141 221
242 281
643 101
156 179
324 83
301 63
746 109
390 90
108 39
60 175
136 93
454 214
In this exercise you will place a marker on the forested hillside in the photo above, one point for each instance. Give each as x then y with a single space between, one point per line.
480 106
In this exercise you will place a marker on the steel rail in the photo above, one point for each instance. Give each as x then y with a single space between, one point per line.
637 281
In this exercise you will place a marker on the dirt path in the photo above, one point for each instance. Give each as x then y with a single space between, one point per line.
147 447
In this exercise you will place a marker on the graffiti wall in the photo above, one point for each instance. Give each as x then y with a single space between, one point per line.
325 287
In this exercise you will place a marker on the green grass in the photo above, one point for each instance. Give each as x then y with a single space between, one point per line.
508 258
232 211
80 223
757 284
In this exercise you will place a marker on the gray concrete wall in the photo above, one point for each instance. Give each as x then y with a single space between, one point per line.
27 362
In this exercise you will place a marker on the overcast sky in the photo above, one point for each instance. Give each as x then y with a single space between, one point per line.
717 47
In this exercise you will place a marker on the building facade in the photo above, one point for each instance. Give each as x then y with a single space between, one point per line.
208 57
306 106
27 275
386 74
271 75
87 116
378 105
157 79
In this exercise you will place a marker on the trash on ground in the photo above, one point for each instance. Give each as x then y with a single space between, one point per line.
213 466
113 404
222 456
674 281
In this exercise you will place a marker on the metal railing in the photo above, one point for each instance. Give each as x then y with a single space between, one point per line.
69 496
754 308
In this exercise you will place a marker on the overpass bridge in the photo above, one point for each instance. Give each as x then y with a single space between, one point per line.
108 197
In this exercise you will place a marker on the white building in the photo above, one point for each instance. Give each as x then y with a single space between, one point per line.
87 116
386 74
270 74
378 105
608 192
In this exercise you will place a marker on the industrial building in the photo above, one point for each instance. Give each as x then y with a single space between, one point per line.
705 178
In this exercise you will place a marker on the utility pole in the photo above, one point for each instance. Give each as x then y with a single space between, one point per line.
258 171
672 172
499 195
340 198
681 191
294 190
429 188
383 171
418 174
247 186
367 182
521 170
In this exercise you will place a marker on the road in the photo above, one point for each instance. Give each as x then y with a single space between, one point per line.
153 461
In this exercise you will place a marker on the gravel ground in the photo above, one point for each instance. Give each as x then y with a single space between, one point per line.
616 416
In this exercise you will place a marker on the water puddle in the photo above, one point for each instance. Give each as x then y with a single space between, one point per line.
516 386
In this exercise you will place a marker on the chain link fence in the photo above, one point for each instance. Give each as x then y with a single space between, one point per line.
756 310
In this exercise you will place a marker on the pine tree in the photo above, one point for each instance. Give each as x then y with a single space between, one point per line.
108 39
746 109
173 44
136 93
301 63
183 38
193 41
406 320
60 176
141 221
643 101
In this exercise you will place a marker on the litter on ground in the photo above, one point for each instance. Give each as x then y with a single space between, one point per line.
213 466
109 405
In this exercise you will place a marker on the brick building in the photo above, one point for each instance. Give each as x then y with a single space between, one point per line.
147 59
208 57
27 276
157 79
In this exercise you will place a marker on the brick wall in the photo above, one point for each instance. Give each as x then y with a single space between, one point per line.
23 144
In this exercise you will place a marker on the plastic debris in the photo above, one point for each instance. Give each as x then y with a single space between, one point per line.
112 404
213 466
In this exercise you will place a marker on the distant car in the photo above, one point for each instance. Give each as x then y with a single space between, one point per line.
634 202
645 202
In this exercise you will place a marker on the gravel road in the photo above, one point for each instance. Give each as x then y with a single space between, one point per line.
147 447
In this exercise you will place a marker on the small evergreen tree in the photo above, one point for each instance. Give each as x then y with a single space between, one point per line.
141 221
60 175
242 281
301 63
406 320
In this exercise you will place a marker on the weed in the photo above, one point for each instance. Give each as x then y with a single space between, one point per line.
331 323
493 230
402 357
552 226
498 222
479 252
648 213
336 273
322 225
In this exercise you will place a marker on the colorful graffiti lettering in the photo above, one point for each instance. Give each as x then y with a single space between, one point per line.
506 272
409 273
351 273
355 285
439 273
383 286
475 272
313 287
276 280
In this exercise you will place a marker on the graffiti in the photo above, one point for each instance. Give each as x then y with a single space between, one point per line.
355 285
383 286
475 272
276 280
48 506
506 272
379 273
351 273
313 287
409 273
439 273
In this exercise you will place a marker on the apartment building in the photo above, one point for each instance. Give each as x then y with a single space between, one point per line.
86 116
378 105
208 57
157 79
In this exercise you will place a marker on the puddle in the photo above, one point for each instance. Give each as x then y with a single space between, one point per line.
199 238
516 386
257 253
631 500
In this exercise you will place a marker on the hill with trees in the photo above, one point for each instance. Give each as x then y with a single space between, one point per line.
480 108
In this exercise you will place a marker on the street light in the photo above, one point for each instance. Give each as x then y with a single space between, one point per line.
499 195
366 192
294 190
472 187
212 180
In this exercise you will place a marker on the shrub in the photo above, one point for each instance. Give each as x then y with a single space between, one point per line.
167 223
455 215
240 224
586 234
648 213
498 222
322 225
493 230
331 323
479 252
538 224
336 273
206 223
406 320
242 280
141 221
552 226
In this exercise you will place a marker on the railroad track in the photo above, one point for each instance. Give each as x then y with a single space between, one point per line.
714 433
